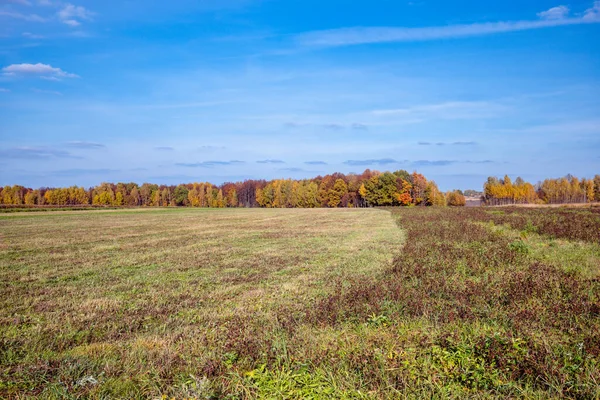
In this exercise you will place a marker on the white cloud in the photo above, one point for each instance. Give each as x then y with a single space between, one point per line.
71 15
42 70
559 12
24 17
71 22
42 91
593 14
556 16
22 2
32 35
85 145
447 110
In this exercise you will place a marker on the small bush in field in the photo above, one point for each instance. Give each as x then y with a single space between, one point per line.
519 246
378 320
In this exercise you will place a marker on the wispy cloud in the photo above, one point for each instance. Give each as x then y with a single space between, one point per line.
85 145
24 17
382 161
329 126
211 148
432 163
72 15
415 164
270 162
3 90
209 164
315 163
35 153
574 127
164 148
559 12
479 162
82 171
22 2
39 70
593 13
43 91
445 163
447 144
464 143
32 35
295 124
446 110
198 104
359 127
292 169
557 16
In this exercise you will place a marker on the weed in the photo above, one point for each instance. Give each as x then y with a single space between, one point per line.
519 246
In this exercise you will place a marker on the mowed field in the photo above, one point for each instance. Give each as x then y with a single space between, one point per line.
149 302
316 303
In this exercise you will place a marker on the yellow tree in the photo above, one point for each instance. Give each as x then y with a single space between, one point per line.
433 196
193 196
119 200
31 198
589 190
337 192
455 199
219 201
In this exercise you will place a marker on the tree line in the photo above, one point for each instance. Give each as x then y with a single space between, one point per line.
568 189
369 189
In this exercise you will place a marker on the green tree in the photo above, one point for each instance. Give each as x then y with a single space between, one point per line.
181 195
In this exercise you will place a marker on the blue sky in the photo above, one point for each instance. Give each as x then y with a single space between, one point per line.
224 90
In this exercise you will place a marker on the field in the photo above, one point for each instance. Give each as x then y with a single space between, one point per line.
293 303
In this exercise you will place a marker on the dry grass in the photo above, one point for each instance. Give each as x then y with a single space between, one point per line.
322 303
142 299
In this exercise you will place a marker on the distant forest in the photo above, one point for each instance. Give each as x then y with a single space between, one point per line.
369 189
569 189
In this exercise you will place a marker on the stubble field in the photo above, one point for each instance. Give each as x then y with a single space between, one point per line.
321 303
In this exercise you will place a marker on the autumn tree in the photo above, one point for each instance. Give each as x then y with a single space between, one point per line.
403 195
587 187
371 188
134 198
337 192
147 193
455 199
419 186
433 195
14 195
104 195
31 198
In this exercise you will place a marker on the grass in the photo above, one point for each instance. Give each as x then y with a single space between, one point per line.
140 300
192 303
